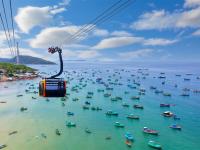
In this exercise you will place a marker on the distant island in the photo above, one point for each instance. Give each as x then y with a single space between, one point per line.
24 59
13 72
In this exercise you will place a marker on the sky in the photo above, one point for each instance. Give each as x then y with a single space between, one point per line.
146 30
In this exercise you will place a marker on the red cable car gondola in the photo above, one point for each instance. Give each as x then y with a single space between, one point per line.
52 86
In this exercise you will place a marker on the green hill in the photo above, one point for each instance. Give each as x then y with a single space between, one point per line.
24 59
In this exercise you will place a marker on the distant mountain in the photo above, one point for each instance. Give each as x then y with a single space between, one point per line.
24 59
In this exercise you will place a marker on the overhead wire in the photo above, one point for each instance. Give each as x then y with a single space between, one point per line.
7 30
106 15
13 30
8 41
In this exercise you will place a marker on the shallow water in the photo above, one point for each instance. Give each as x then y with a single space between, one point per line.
45 117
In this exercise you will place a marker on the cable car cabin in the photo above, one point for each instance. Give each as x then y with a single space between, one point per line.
52 87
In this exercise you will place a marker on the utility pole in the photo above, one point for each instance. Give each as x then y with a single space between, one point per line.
17 53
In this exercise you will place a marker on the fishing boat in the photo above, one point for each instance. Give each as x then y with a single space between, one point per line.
158 91
125 104
70 113
164 105
135 97
167 94
128 143
108 138
70 124
107 95
175 127
154 145
23 109
58 132
87 131
129 136
167 114
87 103
138 106
86 107
119 125
2 146
132 116
150 131
111 113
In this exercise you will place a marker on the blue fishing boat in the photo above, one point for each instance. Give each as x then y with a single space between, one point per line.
129 136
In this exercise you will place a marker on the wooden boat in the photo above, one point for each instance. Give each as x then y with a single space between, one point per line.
111 113
2 146
175 127
58 132
131 116
129 136
87 131
13 132
107 95
108 138
119 125
154 145
23 109
138 106
70 113
125 104
128 143
150 131
164 105
167 94
70 124
168 114
135 97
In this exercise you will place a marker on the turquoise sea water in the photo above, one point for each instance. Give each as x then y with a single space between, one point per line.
44 117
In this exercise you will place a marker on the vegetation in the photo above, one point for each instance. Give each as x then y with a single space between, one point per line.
11 69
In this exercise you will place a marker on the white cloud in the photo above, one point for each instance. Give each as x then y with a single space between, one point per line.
53 36
29 17
196 33
80 54
121 33
136 54
159 42
63 36
161 19
101 32
191 3
114 42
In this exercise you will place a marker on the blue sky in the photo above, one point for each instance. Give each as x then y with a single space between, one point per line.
147 30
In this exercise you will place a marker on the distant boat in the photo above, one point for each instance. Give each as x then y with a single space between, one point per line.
164 105
70 124
175 126
2 146
138 106
87 131
70 113
129 136
111 113
128 143
58 132
118 124
150 131
154 145
131 116
168 114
